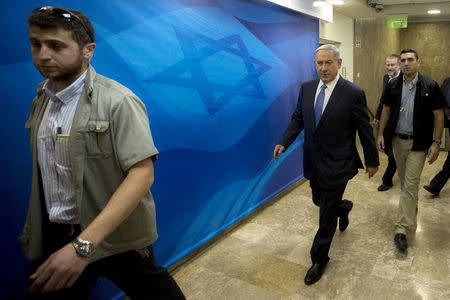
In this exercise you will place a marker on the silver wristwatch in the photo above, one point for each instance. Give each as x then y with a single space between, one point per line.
83 248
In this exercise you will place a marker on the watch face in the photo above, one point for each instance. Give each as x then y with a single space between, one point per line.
83 248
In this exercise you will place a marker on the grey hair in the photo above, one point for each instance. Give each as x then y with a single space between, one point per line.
396 56
331 47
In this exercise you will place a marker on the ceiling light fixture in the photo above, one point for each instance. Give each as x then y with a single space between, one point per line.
434 11
336 2
319 3
327 2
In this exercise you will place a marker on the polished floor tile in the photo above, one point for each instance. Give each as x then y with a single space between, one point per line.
267 256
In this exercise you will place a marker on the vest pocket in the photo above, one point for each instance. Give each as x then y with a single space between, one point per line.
98 139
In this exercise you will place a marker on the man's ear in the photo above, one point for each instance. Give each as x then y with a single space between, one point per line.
88 51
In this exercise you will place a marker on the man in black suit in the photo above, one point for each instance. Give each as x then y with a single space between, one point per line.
392 71
330 110
441 178
413 110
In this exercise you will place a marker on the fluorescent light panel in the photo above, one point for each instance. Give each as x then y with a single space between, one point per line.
434 11
336 2
323 3
319 3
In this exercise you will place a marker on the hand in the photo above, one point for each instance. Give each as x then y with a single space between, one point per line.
376 123
380 143
433 153
277 151
371 171
61 270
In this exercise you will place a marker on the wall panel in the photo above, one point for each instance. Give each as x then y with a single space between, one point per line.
432 42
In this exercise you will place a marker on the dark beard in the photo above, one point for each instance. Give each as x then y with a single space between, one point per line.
69 74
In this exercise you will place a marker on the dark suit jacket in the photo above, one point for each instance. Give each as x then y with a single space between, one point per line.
330 154
380 104
387 131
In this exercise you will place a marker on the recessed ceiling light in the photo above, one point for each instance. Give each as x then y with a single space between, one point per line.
434 11
336 2
319 3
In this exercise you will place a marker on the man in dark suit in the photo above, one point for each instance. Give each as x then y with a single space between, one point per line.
441 178
392 71
330 110
413 110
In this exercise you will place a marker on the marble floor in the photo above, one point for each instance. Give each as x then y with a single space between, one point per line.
267 256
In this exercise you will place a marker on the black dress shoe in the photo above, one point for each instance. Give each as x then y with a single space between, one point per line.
384 187
400 242
432 191
343 222
314 273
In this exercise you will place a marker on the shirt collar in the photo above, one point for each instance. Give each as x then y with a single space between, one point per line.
330 85
395 75
413 83
67 94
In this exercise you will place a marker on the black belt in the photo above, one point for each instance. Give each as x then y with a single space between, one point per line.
405 136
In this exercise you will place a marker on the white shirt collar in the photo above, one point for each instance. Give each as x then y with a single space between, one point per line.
330 85
395 75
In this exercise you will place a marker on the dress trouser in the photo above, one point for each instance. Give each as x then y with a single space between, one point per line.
409 167
135 272
331 207
391 167
441 178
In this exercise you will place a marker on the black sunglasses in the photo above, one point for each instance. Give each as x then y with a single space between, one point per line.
66 14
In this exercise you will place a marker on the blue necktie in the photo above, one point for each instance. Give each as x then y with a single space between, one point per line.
319 104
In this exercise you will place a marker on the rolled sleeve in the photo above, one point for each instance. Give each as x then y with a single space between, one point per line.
132 136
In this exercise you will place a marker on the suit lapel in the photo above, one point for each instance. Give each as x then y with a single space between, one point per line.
309 101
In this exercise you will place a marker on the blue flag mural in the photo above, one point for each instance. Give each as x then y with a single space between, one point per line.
220 80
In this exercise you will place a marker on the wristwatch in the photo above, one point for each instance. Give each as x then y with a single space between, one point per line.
437 141
83 248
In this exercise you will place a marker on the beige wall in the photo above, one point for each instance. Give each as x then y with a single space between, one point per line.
373 42
340 31
432 42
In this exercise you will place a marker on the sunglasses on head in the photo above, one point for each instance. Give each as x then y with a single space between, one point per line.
66 14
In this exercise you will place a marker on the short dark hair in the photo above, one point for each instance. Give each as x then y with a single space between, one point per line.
79 25
410 51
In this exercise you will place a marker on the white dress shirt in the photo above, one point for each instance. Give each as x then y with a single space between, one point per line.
330 87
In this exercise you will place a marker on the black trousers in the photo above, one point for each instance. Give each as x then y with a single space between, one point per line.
135 271
391 167
441 178
331 207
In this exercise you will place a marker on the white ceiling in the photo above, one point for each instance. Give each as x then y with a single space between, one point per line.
392 2
415 9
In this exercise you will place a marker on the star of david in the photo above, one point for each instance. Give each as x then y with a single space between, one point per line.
214 95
